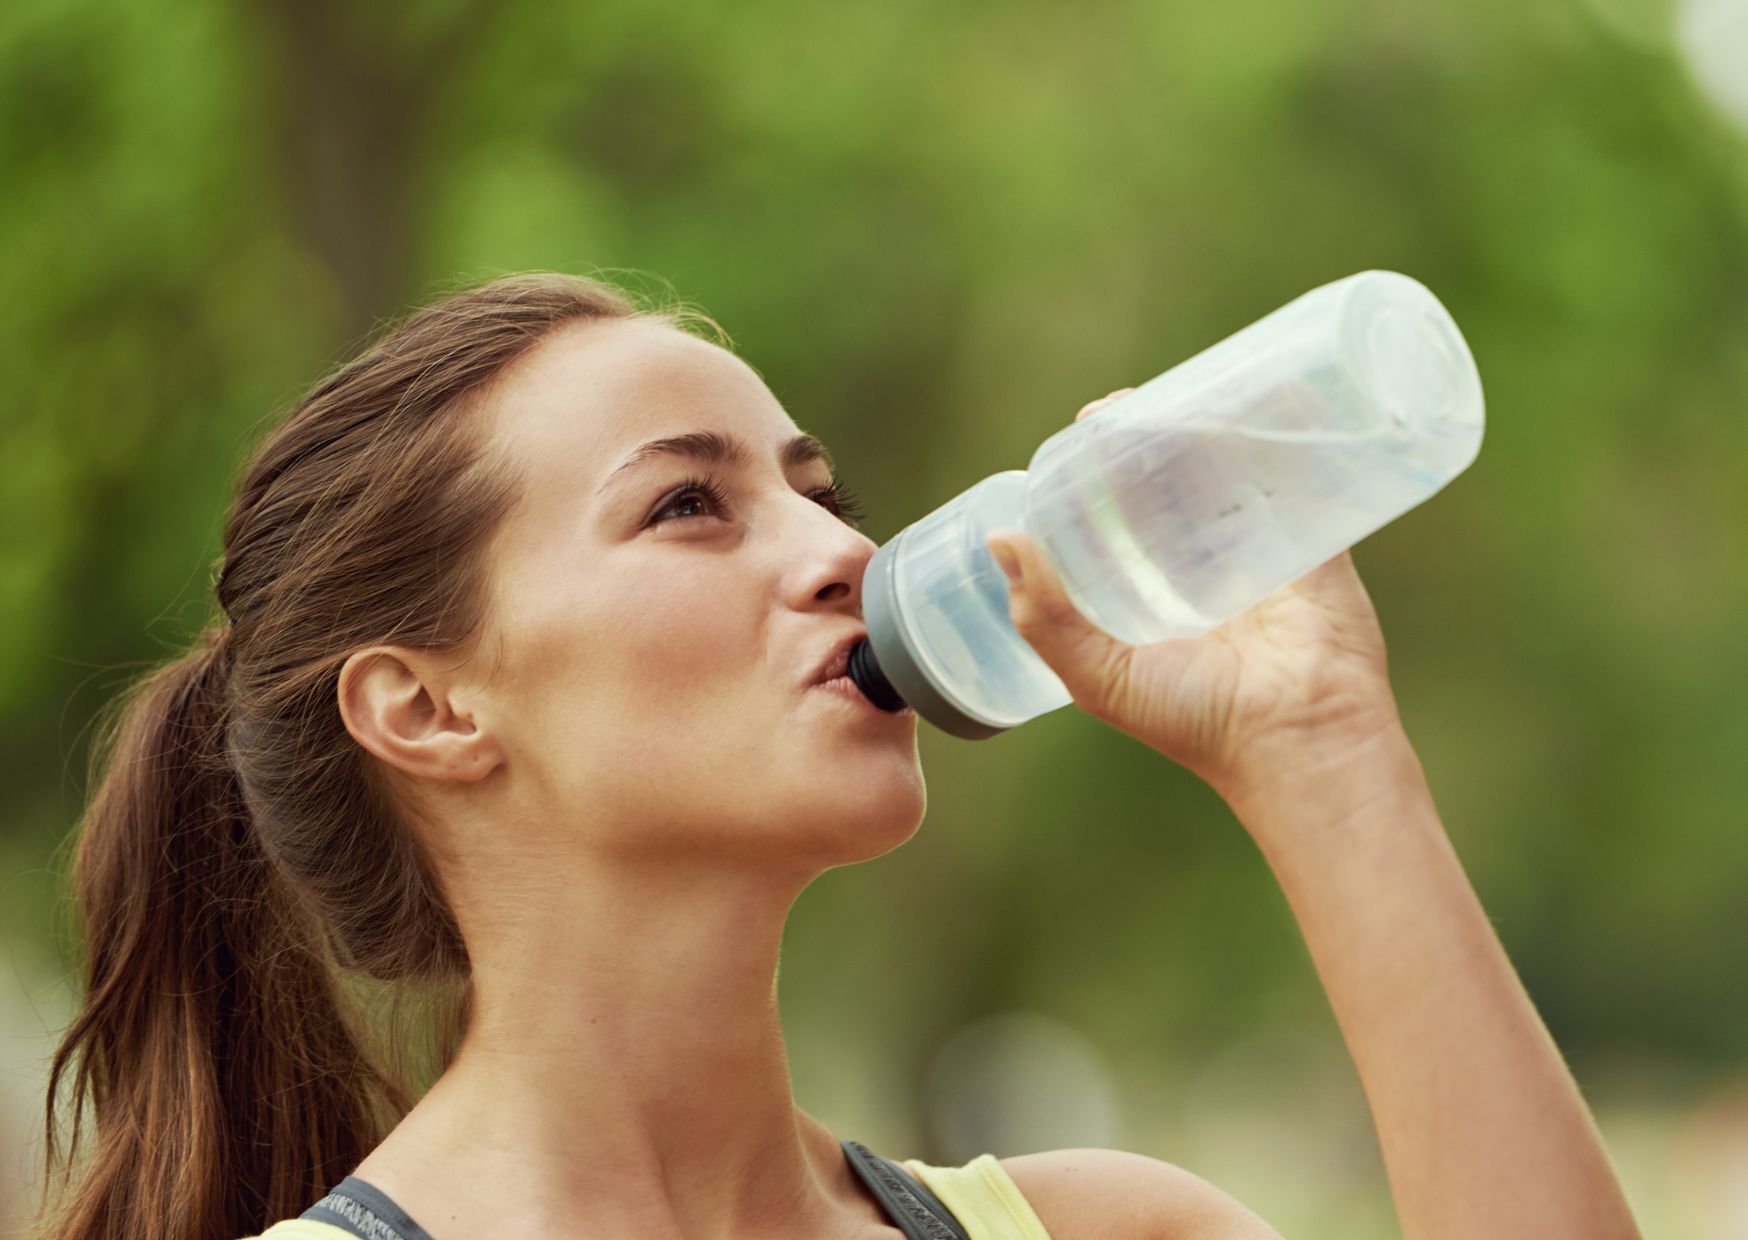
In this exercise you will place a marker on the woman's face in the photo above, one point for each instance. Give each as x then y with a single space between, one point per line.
651 656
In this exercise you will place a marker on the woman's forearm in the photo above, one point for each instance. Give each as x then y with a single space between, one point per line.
1482 1128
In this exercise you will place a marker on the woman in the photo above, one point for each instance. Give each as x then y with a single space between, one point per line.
530 676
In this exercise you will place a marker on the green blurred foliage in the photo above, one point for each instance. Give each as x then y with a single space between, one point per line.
937 230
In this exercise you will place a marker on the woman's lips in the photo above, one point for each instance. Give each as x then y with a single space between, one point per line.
844 687
839 662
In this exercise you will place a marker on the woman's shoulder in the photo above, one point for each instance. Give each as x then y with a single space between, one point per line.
1082 1194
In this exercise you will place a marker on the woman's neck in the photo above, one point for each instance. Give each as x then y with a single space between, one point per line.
624 1069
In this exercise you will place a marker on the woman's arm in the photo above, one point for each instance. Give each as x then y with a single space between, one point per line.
1287 711
1482 1129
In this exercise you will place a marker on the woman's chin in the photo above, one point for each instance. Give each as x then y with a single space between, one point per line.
883 813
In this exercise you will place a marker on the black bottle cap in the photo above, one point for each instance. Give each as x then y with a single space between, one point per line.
865 671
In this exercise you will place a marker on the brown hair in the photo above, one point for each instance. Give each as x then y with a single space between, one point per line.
237 862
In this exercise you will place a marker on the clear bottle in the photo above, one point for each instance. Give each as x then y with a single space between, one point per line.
1184 502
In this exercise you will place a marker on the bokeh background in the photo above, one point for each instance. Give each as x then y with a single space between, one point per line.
937 230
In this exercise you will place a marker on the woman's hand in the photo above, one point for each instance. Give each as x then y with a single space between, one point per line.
1294 683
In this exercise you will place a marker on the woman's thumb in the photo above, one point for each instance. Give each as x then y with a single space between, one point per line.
1087 659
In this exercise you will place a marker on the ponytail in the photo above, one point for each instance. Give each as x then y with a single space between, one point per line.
225 1085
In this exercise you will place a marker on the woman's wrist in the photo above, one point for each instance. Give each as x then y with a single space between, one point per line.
1306 795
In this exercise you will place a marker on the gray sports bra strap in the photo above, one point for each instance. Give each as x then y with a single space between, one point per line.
910 1205
363 1209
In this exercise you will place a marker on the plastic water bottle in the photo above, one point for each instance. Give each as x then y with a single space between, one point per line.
1184 502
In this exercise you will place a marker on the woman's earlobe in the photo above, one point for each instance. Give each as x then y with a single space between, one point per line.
401 711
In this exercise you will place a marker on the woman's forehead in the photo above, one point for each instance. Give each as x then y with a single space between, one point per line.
586 398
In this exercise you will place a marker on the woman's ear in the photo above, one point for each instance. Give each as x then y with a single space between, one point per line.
402 706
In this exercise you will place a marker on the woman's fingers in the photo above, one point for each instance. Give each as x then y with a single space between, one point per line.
1088 660
1093 406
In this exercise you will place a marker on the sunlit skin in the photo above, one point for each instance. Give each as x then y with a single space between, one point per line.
627 780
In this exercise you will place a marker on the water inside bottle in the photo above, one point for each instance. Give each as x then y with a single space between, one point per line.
1168 528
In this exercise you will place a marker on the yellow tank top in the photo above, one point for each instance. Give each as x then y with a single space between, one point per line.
980 1194
983 1197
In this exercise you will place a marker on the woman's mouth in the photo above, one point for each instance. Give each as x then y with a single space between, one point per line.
844 687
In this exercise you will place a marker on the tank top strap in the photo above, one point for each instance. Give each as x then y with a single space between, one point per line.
358 1208
364 1210
913 1209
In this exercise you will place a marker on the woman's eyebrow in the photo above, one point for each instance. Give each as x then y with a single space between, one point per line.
717 449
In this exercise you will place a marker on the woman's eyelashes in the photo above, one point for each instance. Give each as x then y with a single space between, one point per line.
689 494
842 501
703 496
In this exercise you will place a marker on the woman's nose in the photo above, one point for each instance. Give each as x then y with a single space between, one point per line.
829 567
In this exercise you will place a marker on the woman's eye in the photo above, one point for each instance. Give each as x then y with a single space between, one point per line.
700 497
693 498
842 501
